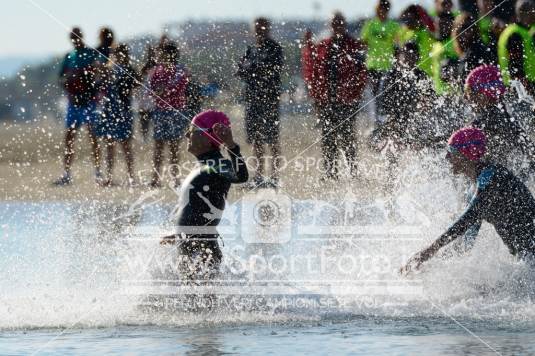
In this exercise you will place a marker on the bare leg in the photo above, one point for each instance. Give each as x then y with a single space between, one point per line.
110 153
157 162
144 121
95 147
70 136
175 157
129 158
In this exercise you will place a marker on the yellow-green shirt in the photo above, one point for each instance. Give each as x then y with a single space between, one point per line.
380 37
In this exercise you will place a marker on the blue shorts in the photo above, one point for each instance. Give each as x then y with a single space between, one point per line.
169 125
80 115
115 125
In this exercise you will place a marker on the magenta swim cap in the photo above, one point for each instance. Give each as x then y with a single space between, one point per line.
470 142
487 80
206 120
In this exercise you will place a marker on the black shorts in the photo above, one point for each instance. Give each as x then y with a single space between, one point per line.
262 123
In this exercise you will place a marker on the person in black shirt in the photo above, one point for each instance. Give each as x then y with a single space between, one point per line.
407 94
203 192
260 69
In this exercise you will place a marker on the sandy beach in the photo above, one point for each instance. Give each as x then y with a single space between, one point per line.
31 158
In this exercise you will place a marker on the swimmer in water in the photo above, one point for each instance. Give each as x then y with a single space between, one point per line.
203 192
485 91
500 198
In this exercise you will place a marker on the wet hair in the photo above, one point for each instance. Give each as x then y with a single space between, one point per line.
339 16
385 4
263 22
106 36
76 32
170 48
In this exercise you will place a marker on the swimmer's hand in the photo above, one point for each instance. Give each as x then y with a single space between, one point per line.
413 264
416 261
168 240
224 133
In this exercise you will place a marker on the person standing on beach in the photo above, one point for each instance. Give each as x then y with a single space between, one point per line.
77 77
335 73
168 82
260 69
116 121
145 101
106 43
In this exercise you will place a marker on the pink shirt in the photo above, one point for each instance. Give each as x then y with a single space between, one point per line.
168 85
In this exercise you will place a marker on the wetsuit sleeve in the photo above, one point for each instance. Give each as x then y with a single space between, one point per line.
238 165
467 220
471 218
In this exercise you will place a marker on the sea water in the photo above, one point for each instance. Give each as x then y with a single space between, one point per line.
75 278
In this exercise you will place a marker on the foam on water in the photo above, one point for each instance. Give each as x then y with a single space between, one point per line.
65 265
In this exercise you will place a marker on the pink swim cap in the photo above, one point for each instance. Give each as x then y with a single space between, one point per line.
487 80
206 120
470 142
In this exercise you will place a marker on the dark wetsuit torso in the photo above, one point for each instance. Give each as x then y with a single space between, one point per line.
504 134
504 201
202 200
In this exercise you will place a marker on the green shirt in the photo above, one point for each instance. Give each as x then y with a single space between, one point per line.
425 42
380 38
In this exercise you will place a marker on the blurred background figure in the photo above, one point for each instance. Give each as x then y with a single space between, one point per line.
168 82
420 29
380 35
117 120
516 51
145 101
444 56
77 78
335 73
260 69
106 44
470 47
408 96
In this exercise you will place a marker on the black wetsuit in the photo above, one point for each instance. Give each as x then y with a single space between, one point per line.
202 201
504 134
504 201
